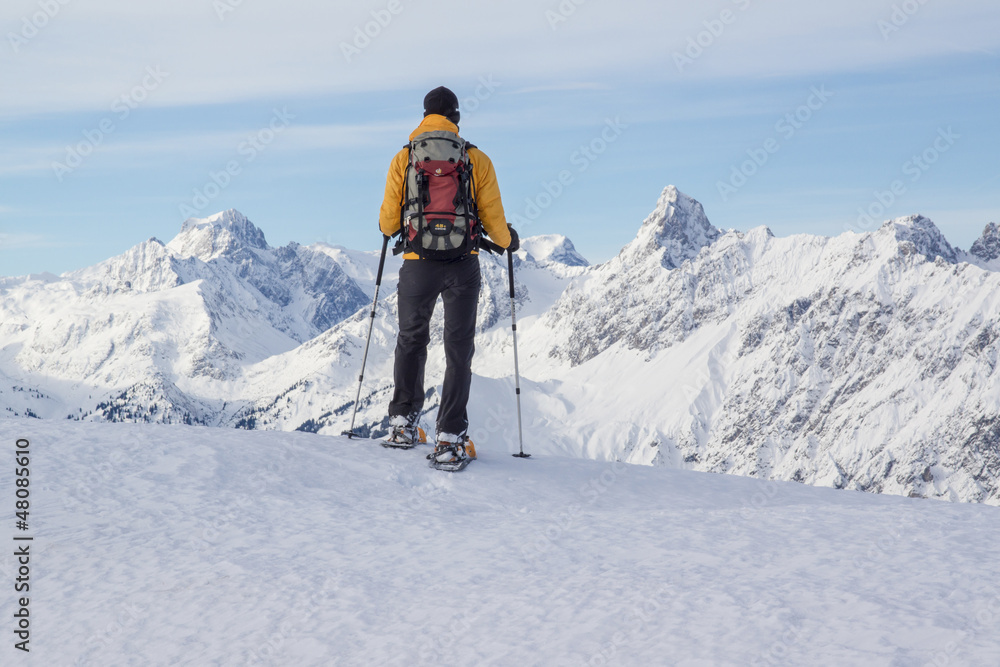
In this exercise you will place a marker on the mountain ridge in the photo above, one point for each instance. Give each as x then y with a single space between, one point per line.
807 358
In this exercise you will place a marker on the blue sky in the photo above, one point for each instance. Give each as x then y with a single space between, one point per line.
119 120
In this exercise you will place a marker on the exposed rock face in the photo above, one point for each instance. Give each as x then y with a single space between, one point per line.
987 246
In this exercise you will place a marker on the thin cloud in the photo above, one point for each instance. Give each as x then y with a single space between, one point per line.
292 137
562 87
41 158
26 161
21 241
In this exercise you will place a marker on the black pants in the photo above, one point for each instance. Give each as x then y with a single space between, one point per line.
421 281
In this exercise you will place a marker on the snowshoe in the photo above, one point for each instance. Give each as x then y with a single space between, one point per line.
452 453
404 434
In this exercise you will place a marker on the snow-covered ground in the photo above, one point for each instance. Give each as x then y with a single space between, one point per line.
178 545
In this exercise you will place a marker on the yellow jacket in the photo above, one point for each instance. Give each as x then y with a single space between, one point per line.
487 190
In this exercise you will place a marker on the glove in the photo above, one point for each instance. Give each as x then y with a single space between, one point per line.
515 241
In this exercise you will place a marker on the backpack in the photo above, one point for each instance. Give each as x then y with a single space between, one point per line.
439 219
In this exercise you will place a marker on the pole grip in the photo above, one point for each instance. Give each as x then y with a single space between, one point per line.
381 261
510 271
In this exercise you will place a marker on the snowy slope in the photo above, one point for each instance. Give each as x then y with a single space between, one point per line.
196 546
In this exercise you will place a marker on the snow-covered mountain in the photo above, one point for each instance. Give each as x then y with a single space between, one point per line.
864 361
152 334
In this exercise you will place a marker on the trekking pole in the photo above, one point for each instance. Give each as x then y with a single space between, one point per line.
517 374
371 325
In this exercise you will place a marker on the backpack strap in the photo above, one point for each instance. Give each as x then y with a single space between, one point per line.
401 241
482 242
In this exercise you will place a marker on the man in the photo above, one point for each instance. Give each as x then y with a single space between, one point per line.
455 279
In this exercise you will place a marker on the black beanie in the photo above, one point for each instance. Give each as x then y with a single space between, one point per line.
443 102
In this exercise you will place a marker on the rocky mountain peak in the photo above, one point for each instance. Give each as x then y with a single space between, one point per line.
678 225
923 234
225 232
987 246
